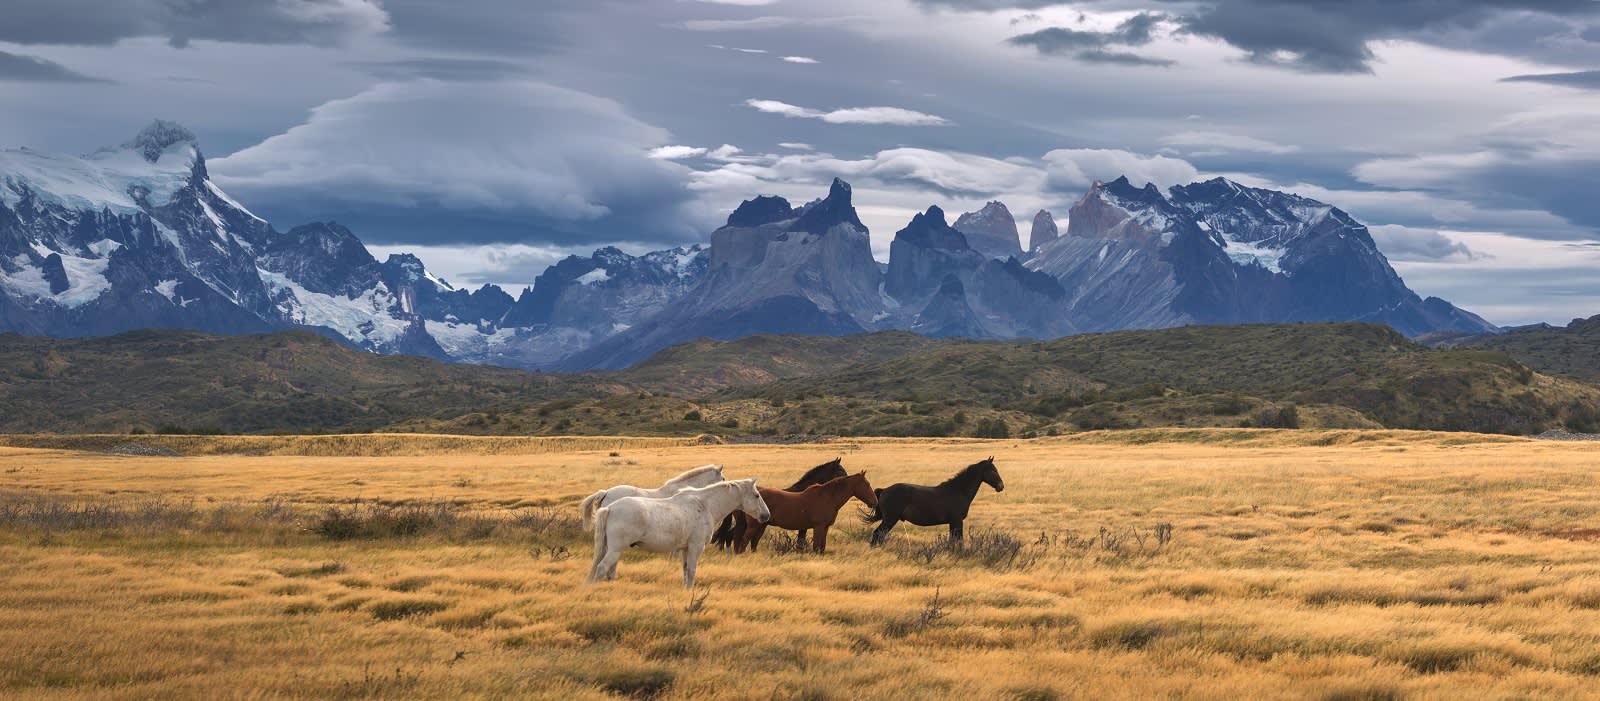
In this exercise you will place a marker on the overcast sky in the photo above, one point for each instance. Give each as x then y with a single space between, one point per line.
493 136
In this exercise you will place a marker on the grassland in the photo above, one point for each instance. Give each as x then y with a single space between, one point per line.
1300 564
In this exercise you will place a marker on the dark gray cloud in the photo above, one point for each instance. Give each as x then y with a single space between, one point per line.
1588 80
1091 46
1121 58
1333 35
1409 244
517 27
37 70
95 22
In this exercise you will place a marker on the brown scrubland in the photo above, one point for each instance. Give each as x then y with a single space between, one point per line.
1192 564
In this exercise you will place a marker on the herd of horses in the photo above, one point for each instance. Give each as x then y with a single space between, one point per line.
701 507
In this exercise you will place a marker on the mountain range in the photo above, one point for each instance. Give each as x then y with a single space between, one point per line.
138 236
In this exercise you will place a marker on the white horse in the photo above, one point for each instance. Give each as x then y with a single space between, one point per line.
683 521
702 476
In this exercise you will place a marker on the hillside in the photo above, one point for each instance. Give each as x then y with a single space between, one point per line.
1333 374
293 381
704 366
891 384
1572 351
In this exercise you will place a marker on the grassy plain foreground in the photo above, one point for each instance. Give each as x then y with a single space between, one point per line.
1333 565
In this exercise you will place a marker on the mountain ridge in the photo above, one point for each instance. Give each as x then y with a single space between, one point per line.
138 236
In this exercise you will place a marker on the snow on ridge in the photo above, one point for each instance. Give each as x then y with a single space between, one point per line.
1245 253
436 280
363 318
102 180
594 277
168 289
469 340
86 277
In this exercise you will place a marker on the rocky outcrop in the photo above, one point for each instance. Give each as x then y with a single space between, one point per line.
1044 231
813 273
991 231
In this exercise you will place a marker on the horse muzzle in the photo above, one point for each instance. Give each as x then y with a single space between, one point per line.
1000 486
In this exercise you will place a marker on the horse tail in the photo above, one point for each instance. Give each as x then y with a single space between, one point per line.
873 514
600 544
588 506
723 537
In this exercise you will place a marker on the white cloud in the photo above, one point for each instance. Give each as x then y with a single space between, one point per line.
1412 244
850 115
1074 170
1532 281
1222 142
800 59
672 153
722 25
796 146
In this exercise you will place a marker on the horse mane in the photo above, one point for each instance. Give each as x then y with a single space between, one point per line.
968 473
814 475
691 474
830 484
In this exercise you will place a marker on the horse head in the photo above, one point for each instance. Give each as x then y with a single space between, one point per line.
751 503
835 468
991 475
861 489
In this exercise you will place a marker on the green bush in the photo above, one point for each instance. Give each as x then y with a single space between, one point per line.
992 428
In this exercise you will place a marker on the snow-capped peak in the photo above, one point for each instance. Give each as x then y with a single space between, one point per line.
156 138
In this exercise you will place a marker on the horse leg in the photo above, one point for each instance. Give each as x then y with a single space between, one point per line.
691 559
756 530
955 533
741 531
881 533
819 543
606 568
800 539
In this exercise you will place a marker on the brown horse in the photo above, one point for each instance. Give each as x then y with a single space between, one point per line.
816 508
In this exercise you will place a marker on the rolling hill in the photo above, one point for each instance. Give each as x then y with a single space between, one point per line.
1571 351
888 383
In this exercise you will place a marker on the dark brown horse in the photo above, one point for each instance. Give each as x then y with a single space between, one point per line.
947 502
732 531
817 507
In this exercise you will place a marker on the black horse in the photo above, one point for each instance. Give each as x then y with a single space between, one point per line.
732 531
931 506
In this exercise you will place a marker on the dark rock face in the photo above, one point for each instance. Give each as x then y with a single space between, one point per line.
923 254
820 216
991 231
761 210
55 273
322 257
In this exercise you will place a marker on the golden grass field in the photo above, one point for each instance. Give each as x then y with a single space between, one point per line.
1304 564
